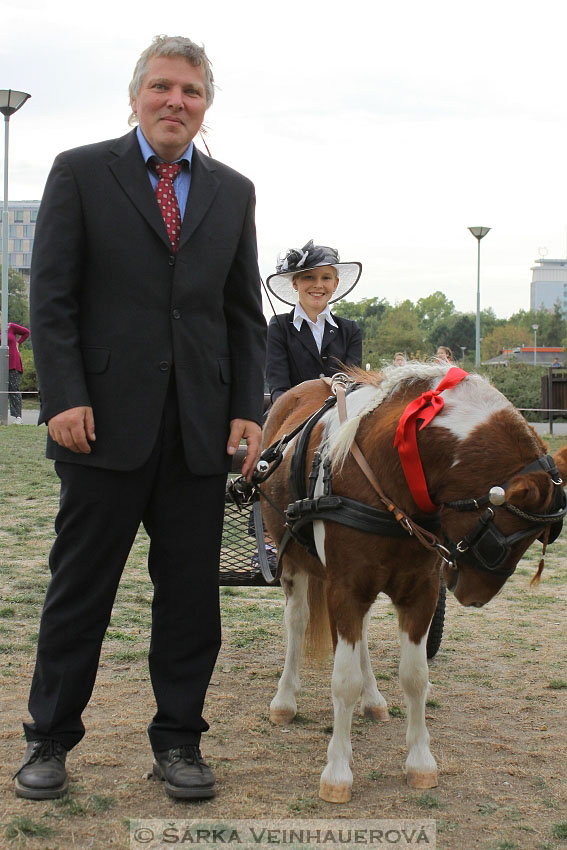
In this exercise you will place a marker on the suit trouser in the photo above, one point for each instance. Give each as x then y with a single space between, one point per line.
99 515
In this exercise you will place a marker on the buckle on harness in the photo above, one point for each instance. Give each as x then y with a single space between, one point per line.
303 507
445 555
340 379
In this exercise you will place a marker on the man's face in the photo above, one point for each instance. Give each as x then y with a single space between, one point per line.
171 104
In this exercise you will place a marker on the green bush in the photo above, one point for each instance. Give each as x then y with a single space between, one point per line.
29 377
520 383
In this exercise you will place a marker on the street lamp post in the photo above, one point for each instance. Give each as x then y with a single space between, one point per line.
478 233
10 102
534 329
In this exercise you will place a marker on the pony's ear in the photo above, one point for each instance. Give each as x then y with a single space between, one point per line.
561 463
532 492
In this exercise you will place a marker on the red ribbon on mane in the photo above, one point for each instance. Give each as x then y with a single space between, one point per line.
425 407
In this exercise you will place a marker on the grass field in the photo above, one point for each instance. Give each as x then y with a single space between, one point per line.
497 714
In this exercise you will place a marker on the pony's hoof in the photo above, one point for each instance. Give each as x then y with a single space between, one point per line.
281 716
377 712
340 793
422 779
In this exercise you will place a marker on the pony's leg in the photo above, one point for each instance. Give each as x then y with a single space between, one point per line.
336 779
373 703
421 768
283 707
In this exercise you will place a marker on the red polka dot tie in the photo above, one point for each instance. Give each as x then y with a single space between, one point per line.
167 199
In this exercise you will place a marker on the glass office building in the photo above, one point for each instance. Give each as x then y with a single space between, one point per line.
22 216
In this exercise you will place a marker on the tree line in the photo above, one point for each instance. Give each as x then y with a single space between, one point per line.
418 329
415 329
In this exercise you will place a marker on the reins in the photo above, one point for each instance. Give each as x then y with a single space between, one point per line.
241 492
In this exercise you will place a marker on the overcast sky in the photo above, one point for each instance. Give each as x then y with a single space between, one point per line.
383 129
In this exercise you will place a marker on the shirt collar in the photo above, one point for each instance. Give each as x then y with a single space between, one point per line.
299 315
148 152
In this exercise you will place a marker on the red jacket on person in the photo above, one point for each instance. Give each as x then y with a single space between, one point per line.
16 335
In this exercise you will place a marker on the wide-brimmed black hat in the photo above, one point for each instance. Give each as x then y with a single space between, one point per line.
293 262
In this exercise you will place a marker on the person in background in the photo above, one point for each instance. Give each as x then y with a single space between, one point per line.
444 353
17 334
149 343
310 342
399 359
556 364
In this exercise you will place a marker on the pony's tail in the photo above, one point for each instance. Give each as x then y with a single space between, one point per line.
318 642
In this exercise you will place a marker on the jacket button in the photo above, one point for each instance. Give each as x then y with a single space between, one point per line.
164 365
171 260
176 314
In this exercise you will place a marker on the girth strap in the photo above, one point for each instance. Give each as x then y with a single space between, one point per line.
354 514
301 515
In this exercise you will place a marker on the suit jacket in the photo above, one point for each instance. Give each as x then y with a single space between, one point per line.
293 357
113 309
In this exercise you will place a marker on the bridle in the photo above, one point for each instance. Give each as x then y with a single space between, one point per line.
485 547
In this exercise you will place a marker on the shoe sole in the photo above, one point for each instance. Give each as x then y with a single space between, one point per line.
41 793
195 792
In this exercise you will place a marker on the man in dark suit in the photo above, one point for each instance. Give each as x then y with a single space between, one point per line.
149 343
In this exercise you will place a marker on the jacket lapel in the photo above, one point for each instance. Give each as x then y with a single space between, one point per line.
204 186
130 170
305 337
329 335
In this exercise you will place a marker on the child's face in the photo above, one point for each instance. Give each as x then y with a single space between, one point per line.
315 287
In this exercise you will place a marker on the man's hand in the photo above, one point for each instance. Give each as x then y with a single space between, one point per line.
73 429
252 433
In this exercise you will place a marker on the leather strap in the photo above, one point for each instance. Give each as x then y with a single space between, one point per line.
427 538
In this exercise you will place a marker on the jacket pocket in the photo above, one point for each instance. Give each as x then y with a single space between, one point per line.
224 369
95 360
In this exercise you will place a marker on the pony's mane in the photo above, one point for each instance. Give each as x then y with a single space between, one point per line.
375 387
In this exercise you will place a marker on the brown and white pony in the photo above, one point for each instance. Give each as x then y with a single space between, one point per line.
476 441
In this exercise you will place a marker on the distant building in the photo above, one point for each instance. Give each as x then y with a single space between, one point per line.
22 216
544 356
549 285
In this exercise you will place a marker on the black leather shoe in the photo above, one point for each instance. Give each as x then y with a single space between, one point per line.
42 775
185 773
